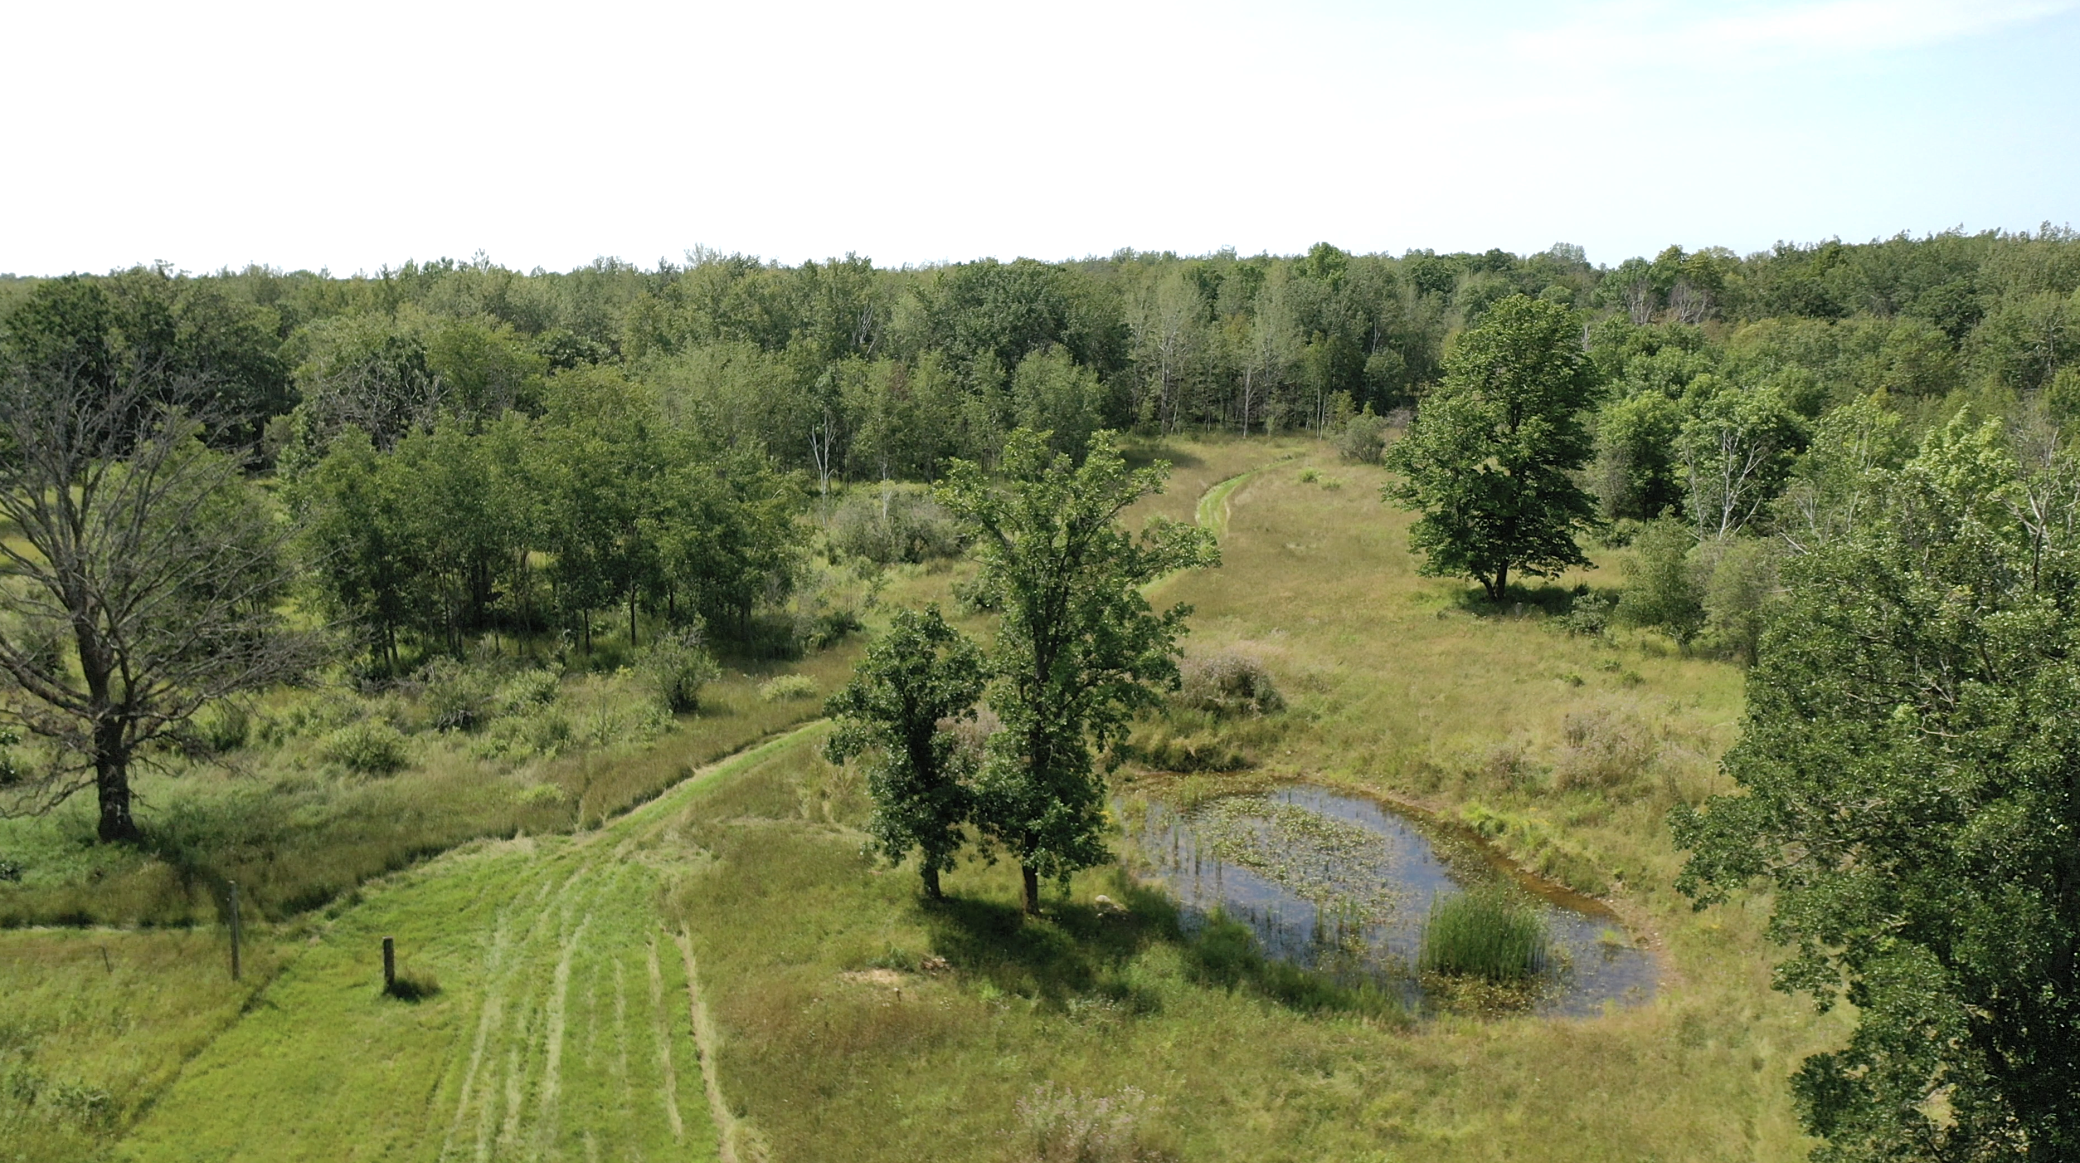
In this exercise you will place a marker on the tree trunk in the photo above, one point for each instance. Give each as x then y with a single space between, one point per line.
1031 876
931 882
112 785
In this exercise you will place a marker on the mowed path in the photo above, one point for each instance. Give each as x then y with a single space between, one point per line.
563 1026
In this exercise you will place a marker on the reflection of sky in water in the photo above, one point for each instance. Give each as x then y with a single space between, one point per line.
1340 884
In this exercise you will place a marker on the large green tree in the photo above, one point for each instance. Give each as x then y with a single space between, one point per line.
914 684
1078 648
1910 775
1490 457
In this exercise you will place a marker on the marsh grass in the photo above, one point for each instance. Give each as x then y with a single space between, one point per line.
336 788
1484 933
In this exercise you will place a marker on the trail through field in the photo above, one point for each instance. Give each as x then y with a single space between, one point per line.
560 1026
561 1019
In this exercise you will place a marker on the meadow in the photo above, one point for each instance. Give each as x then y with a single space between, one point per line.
680 949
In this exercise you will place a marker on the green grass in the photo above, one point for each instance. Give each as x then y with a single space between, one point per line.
847 1019
297 829
1483 934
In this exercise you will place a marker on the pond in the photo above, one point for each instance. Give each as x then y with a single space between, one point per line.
1340 884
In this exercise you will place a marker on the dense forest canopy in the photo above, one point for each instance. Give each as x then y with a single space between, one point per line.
472 447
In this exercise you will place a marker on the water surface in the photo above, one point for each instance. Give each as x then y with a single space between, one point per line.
1340 884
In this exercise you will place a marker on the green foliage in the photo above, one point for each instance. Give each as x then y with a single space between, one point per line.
1486 933
1588 615
786 688
1078 649
1661 588
889 525
678 667
1907 771
1636 474
527 691
914 685
456 697
369 747
1363 438
1489 457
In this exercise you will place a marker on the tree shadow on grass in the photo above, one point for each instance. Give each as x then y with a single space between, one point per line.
1548 598
1079 951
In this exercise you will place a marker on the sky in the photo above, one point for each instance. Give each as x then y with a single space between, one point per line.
348 137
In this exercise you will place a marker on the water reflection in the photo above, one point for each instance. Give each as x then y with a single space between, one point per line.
1341 885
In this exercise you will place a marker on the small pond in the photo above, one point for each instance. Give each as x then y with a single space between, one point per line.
1339 884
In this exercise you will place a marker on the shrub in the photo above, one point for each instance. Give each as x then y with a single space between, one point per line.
370 747
1605 751
529 689
1483 933
1363 438
787 688
455 697
1662 588
1588 615
678 667
892 525
1067 1127
223 727
1228 684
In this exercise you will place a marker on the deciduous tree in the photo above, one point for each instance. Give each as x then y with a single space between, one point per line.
1489 458
1910 775
915 682
1078 648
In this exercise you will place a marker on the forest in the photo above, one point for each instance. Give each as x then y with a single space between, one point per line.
403 521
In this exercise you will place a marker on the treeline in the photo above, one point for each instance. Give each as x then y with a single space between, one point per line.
476 448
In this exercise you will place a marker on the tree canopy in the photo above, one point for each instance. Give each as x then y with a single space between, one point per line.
1489 457
1910 775
1078 648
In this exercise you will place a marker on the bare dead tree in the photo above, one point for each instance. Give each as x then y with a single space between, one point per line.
1639 301
139 580
1689 303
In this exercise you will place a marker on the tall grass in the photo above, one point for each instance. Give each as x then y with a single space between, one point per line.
1483 933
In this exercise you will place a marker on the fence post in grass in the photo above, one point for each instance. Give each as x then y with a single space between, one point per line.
390 965
234 931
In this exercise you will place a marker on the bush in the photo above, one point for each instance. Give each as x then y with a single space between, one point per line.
455 697
1228 684
1604 751
1067 1127
1484 933
1662 590
891 525
1588 615
1363 438
787 688
370 747
527 690
678 667
223 727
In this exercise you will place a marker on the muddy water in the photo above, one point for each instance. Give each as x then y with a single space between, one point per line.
1340 884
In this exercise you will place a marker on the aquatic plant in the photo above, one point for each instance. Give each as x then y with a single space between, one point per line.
1483 933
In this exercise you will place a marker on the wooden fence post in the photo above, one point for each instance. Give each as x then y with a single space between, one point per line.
389 965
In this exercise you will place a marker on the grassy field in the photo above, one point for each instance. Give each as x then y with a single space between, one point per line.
842 1018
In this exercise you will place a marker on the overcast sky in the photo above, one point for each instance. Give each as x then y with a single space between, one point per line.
350 136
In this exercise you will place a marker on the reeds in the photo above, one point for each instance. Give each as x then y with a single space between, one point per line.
1483 933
